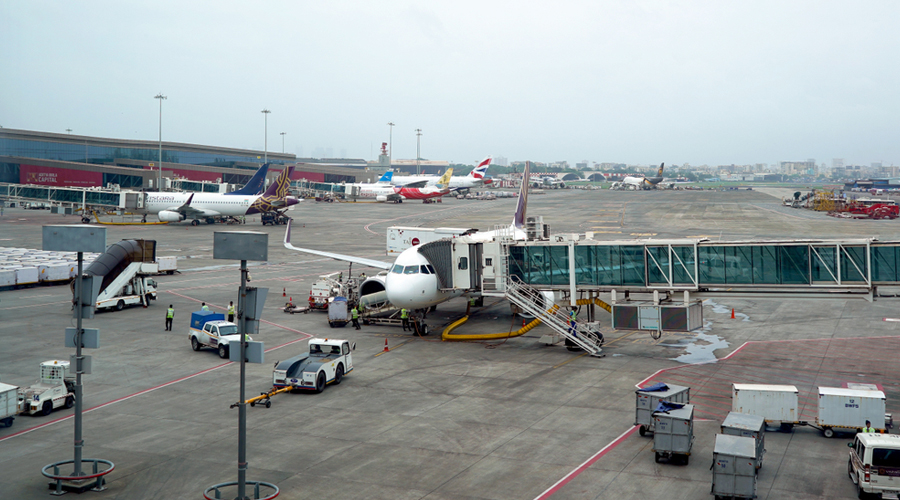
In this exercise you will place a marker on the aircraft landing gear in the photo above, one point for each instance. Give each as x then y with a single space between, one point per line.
195 222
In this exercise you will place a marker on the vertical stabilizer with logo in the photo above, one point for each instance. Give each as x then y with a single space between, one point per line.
276 196
444 181
256 183
480 170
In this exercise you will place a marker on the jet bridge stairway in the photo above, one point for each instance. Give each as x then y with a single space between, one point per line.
531 301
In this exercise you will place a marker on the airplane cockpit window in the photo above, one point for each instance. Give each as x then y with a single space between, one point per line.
424 269
398 269
411 270
430 269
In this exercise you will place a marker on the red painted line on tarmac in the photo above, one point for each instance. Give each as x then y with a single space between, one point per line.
587 463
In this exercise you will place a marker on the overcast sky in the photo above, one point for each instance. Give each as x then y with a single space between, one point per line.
637 82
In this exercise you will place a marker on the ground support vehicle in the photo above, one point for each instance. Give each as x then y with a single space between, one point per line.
846 410
326 362
338 312
734 467
274 218
393 319
874 464
291 308
648 398
9 403
167 265
209 329
777 404
673 434
325 289
55 389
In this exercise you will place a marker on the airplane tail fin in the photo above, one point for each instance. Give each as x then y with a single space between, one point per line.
660 171
481 169
256 183
281 187
444 181
386 178
522 204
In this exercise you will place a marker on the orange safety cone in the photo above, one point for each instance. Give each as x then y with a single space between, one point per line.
284 292
523 323
732 313
386 346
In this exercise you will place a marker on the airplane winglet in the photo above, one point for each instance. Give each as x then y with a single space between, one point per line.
287 234
188 202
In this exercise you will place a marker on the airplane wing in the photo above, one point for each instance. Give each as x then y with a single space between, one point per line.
336 256
417 184
190 212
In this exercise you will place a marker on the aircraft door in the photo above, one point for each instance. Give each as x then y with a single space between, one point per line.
476 265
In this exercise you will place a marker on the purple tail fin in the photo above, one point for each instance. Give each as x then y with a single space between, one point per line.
281 187
519 218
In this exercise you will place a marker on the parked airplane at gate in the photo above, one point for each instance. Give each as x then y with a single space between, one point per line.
176 207
256 184
412 282
475 179
641 182
420 193
384 190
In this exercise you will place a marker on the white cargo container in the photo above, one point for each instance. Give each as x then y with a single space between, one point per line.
26 276
400 238
734 467
777 404
7 277
167 264
753 426
673 435
647 401
848 409
9 403
54 271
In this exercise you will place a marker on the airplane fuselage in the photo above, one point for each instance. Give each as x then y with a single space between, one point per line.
412 283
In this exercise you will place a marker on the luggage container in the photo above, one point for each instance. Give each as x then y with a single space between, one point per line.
337 312
753 426
846 410
648 399
26 276
7 277
167 265
734 467
673 436
9 403
777 404
54 271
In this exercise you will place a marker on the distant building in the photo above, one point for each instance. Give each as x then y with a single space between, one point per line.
500 161
582 165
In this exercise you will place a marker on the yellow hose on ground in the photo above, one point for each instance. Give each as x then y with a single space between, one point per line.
448 336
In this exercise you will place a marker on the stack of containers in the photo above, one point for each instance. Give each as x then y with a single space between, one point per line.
22 267
744 425
648 398
734 467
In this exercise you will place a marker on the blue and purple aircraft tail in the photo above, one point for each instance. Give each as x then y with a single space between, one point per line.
256 183
522 204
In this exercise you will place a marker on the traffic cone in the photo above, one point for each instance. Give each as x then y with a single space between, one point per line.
732 313
386 346
291 301
284 292
523 322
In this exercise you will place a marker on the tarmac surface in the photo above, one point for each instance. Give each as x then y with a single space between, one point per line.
430 419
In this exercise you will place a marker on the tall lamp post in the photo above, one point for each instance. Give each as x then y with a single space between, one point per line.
282 141
160 96
390 145
418 135
266 153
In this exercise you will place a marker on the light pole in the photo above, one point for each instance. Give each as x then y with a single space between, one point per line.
266 153
282 141
69 131
390 145
418 135
159 167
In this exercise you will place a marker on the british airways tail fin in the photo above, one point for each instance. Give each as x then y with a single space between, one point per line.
481 169
256 183
522 204
386 178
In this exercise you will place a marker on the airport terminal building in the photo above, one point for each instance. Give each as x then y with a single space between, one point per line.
49 159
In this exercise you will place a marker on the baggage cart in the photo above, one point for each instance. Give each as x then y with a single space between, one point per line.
734 467
777 404
338 315
9 403
753 426
648 398
673 434
846 410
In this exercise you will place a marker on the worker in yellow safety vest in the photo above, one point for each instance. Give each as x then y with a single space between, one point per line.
204 307
868 427
231 312
170 313
354 316
404 317
572 329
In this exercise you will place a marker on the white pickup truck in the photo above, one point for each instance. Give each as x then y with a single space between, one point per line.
327 361
210 330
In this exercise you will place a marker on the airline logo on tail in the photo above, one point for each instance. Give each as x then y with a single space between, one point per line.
659 172
481 169
275 196
444 181
519 218
386 178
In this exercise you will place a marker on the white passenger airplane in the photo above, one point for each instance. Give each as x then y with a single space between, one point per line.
412 282
475 179
643 182
384 190
176 207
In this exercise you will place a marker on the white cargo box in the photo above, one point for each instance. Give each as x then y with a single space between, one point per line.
9 403
26 275
149 268
167 264
7 277
400 238
777 404
647 400
848 409
54 271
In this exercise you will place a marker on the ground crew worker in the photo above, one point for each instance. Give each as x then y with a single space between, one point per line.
572 329
354 316
204 307
471 301
404 317
231 312
868 427
170 313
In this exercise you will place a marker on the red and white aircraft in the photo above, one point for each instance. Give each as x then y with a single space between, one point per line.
414 192
475 179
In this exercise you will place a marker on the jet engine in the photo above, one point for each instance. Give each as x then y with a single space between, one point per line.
372 292
381 198
170 216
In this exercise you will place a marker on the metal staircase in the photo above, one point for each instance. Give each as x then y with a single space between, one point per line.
531 301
